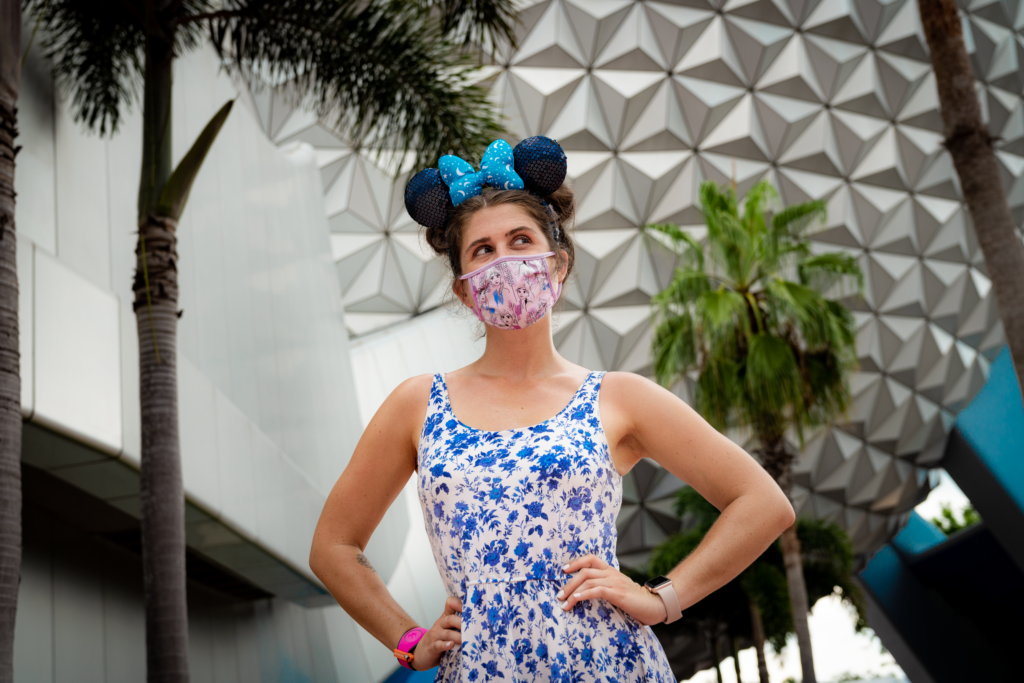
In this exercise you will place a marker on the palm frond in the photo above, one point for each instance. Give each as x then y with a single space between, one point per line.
754 205
827 389
687 285
689 502
731 245
683 243
675 348
822 271
719 392
772 379
722 313
802 307
713 198
673 551
765 582
486 23
794 219
784 240
96 53
382 70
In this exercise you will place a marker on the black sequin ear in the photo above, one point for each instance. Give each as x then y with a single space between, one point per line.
540 162
427 200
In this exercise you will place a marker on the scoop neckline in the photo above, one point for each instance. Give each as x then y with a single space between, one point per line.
451 411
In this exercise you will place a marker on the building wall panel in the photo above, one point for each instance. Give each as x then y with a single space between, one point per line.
26 324
124 623
77 354
79 652
81 619
235 460
33 632
83 209
198 421
35 177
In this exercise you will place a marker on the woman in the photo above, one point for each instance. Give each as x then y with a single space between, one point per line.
519 459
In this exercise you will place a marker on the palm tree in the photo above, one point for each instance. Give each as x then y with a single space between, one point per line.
971 147
393 74
756 604
10 371
770 350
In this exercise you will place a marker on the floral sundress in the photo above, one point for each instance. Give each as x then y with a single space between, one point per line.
505 510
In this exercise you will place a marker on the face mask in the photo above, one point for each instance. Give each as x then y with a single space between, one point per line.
513 292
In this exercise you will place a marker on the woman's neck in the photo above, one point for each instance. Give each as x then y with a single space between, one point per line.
519 355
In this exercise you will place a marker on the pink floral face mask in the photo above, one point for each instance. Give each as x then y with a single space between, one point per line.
513 292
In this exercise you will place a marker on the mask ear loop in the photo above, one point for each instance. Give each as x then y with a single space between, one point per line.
556 235
547 271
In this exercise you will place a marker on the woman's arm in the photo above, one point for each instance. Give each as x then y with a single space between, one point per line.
381 464
643 420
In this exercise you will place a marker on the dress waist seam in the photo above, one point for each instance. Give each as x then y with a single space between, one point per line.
513 578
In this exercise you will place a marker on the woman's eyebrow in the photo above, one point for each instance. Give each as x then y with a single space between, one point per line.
511 232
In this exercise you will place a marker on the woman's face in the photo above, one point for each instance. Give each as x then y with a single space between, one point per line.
503 230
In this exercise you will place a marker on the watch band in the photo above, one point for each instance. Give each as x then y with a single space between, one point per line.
406 644
668 596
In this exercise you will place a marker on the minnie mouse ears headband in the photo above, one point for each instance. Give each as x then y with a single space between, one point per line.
536 164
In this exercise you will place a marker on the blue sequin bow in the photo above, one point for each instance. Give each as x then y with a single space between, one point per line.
496 169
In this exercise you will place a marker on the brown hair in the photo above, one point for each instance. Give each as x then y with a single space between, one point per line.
448 241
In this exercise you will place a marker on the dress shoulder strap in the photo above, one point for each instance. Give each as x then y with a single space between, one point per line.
584 402
592 385
437 408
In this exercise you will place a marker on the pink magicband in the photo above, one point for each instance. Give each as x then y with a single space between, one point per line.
409 640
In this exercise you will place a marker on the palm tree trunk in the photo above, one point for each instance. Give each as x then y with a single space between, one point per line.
793 561
10 370
736 659
156 316
779 464
716 655
162 492
757 625
970 145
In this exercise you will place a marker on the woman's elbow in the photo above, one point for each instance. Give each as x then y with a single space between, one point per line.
317 556
314 561
785 513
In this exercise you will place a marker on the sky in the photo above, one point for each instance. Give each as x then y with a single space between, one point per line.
837 648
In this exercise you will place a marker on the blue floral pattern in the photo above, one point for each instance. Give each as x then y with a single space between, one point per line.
504 511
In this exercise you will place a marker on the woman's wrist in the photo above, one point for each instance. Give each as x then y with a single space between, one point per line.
405 652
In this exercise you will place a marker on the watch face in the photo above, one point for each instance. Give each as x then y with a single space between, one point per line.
657 582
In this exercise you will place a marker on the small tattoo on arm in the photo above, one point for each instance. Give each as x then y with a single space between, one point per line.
361 559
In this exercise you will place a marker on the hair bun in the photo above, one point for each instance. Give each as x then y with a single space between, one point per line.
427 199
541 163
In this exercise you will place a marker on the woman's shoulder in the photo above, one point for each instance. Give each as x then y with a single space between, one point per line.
413 391
405 401
626 384
632 393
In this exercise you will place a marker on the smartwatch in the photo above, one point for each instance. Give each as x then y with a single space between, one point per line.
662 587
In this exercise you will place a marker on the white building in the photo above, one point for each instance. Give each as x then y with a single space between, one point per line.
269 408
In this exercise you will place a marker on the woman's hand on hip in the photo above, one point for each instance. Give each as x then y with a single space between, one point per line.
444 635
595 578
